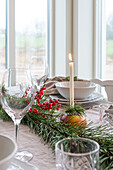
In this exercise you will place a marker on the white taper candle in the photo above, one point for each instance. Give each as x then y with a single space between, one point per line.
71 68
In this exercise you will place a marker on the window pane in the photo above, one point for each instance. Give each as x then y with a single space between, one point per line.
109 40
2 32
31 31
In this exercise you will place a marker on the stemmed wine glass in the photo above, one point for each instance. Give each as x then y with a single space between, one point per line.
17 96
39 72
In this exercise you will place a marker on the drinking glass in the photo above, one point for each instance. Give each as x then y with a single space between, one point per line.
101 110
77 154
17 96
39 72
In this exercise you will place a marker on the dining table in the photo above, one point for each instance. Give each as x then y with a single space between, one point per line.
43 155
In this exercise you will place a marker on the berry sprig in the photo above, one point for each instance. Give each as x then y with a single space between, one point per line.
42 105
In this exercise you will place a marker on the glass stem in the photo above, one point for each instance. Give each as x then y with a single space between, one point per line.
16 123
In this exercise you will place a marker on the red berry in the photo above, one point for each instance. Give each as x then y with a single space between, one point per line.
35 97
29 110
46 108
43 88
53 104
38 100
56 101
50 107
57 108
50 100
26 92
41 92
40 97
41 104
59 105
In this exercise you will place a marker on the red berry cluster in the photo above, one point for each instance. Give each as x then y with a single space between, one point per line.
51 104
26 92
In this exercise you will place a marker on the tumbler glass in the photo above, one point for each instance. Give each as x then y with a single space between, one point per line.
77 154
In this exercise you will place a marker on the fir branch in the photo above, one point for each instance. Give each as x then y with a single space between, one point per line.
51 130
76 110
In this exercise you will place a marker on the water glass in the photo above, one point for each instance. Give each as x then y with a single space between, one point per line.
101 110
77 154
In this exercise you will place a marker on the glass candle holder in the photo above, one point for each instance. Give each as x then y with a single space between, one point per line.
77 154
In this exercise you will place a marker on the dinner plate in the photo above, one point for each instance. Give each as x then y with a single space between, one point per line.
19 165
93 98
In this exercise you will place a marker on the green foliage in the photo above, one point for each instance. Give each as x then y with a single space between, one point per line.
77 110
51 130
68 78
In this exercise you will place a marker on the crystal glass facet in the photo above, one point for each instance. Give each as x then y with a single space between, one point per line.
77 154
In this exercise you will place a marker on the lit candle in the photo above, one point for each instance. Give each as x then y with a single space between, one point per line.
71 65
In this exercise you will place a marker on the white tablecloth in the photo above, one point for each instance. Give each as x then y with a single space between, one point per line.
43 158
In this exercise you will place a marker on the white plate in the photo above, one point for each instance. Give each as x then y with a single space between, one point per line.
19 165
93 98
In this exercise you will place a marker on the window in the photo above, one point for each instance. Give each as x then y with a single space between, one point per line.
26 32
2 33
106 39
30 31
109 39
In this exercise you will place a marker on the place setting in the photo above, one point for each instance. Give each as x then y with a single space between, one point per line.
84 92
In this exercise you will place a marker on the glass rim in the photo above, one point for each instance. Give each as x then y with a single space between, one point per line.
78 154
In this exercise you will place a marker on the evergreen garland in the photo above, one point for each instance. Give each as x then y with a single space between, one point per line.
46 123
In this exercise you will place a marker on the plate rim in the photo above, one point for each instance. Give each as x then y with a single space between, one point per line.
97 97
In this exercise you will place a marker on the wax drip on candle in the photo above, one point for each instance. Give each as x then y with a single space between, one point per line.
71 68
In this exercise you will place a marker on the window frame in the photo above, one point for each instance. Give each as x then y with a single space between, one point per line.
10 36
70 31
71 20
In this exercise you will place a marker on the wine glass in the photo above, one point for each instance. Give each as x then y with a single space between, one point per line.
17 96
39 72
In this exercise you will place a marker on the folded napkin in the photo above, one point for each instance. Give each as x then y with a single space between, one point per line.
50 84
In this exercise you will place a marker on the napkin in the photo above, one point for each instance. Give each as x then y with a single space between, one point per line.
50 84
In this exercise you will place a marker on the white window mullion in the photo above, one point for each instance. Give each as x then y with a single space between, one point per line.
83 38
103 39
60 55
10 33
69 31
52 38
76 34
96 35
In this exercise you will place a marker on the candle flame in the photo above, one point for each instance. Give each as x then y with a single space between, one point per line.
70 57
